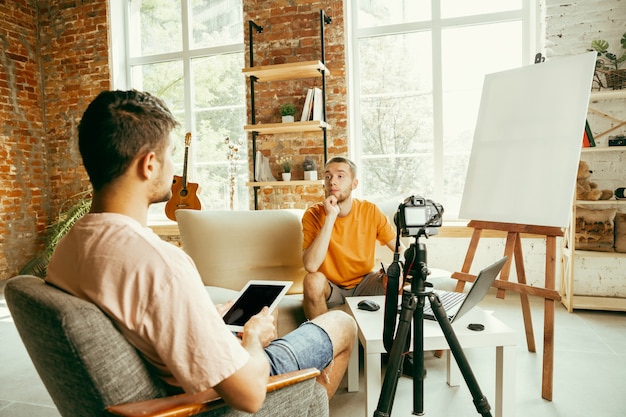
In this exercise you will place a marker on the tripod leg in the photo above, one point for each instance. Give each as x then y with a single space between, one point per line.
480 401
419 371
394 366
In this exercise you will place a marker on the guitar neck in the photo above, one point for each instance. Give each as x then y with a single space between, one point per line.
185 168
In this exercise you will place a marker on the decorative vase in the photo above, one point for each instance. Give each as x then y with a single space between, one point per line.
286 176
288 119
310 175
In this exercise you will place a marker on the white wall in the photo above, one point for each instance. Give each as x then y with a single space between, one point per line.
569 29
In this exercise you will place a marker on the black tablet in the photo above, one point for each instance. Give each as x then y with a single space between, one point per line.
255 295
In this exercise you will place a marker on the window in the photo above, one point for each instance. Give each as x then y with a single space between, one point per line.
415 105
190 53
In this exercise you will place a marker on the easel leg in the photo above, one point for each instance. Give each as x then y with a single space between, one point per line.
550 295
509 250
469 258
521 278
513 249
548 324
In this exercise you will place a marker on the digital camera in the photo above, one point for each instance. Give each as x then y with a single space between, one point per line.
416 214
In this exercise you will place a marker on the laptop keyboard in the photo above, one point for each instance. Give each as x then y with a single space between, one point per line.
448 299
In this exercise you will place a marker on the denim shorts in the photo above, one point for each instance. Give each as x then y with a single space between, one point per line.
309 346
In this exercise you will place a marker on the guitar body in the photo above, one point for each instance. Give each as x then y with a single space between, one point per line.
182 198
184 194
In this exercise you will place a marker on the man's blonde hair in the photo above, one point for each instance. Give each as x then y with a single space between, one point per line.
341 159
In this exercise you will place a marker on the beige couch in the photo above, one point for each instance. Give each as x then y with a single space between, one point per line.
232 247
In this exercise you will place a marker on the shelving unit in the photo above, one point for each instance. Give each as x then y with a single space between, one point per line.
285 72
572 258
607 95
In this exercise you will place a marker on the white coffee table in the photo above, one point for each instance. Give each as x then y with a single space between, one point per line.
496 334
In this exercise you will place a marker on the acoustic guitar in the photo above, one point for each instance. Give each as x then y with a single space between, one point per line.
184 194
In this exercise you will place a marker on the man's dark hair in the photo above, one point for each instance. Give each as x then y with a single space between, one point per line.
116 127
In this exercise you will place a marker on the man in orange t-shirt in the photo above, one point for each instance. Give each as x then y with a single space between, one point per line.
340 235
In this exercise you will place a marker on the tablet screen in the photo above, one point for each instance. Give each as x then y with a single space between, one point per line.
252 300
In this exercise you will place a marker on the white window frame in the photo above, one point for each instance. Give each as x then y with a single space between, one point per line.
122 62
530 28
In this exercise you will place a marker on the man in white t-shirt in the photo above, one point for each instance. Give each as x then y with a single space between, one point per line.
152 290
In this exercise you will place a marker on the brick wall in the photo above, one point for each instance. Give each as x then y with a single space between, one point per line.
53 60
291 33
24 187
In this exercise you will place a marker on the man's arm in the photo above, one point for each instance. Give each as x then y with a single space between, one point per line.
313 256
245 390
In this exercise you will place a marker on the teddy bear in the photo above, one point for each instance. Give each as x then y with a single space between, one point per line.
586 189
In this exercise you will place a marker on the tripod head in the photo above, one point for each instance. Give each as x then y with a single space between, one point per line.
416 266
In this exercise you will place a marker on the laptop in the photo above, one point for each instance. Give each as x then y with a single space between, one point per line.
457 304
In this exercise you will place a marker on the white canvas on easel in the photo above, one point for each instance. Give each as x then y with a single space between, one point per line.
527 142
522 174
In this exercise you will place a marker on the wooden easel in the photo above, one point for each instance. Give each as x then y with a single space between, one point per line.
513 250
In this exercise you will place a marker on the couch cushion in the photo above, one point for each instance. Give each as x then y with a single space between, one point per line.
230 248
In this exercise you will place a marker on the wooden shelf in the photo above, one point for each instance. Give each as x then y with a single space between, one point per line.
283 183
575 263
600 202
591 302
607 95
287 72
290 71
267 128
604 149
598 254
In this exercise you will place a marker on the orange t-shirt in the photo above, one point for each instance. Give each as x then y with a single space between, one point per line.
351 251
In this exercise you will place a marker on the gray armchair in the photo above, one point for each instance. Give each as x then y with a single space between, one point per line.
90 369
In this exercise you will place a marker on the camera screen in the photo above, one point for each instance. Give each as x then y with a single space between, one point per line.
415 216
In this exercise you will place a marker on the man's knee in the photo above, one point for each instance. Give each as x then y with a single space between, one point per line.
315 284
339 325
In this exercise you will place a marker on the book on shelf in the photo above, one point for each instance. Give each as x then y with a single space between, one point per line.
318 104
588 141
308 103
313 108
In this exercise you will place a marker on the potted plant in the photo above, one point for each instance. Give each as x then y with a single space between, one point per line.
310 169
72 210
288 111
285 164
611 63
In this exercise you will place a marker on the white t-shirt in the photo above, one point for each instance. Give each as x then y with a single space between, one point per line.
152 291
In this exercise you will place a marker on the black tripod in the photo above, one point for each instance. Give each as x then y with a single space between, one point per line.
413 309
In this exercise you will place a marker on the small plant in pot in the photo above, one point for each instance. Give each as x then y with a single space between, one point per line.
288 111
310 169
610 64
71 210
285 164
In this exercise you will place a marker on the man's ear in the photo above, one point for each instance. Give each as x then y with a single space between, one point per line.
146 165
355 183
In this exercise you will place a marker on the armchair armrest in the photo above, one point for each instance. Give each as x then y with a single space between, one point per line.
192 404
